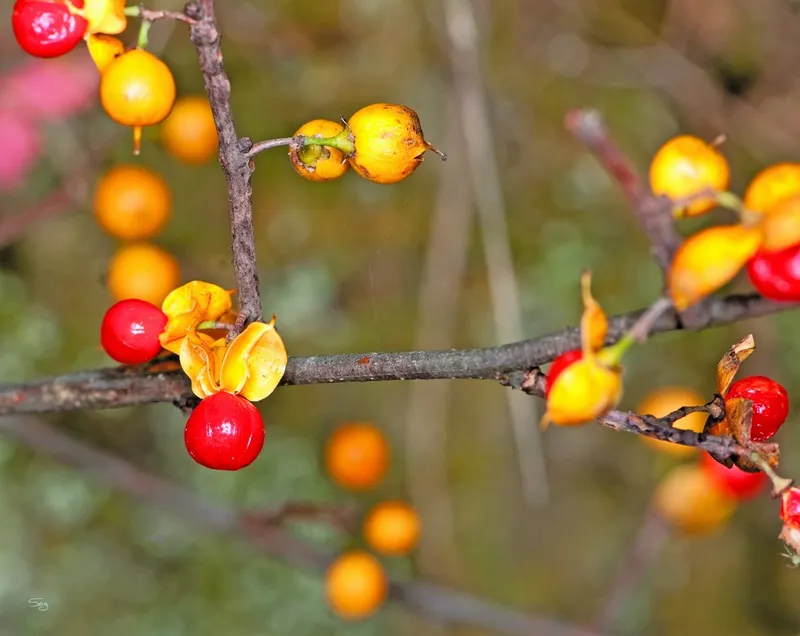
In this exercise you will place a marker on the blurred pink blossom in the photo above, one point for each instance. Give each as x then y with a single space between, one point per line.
19 151
51 89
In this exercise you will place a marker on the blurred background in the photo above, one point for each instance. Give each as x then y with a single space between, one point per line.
485 248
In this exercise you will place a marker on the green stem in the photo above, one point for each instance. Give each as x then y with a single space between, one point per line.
341 142
144 31
132 12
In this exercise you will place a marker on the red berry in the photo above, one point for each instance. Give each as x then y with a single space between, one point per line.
225 432
558 367
130 331
734 481
46 29
776 275
790 507
770 404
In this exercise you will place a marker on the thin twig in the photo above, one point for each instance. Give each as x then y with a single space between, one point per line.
116 387
153 15
261 146
233 157
654 213
265 533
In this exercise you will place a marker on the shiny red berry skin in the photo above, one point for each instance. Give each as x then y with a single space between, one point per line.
770 404
130 330
225 432
558 366
790 507
734 481
776 275
46 29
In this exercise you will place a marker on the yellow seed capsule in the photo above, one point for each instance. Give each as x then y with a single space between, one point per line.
708 260
691 502
389 142
665 400
594 323
254 362
685 166
585 390
781 225
318 163
771 186
189 305
104 49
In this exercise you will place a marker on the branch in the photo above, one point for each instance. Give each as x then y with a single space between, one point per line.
128 386
654 213
233 156
264 532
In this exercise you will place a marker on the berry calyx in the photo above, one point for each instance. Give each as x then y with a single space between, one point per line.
357 455
558 366
770 404
318 163
132 202
130 330
392 527
224 432
45 28
389 143
356 585
733 481
685 166
776 275
137 89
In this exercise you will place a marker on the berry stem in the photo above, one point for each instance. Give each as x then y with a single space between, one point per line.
144 33
779 484
343 142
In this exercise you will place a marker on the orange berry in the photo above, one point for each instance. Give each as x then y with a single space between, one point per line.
319 163
392 527
189 133
665 400
772 185
686 165
708 260
142 270
137 89
357 455
781 225
356 585
389 143
688 498
132 202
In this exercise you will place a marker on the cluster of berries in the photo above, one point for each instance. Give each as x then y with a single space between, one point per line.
766 240
357 458
700 497
383 143
226 431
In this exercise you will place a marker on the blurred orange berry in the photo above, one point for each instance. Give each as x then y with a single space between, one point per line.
132 202
137 89
357 455
189 133
392 527
686 165
781 225
708 260
771 186
142 270
356 585
665 400
389 143
319 163
691 502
